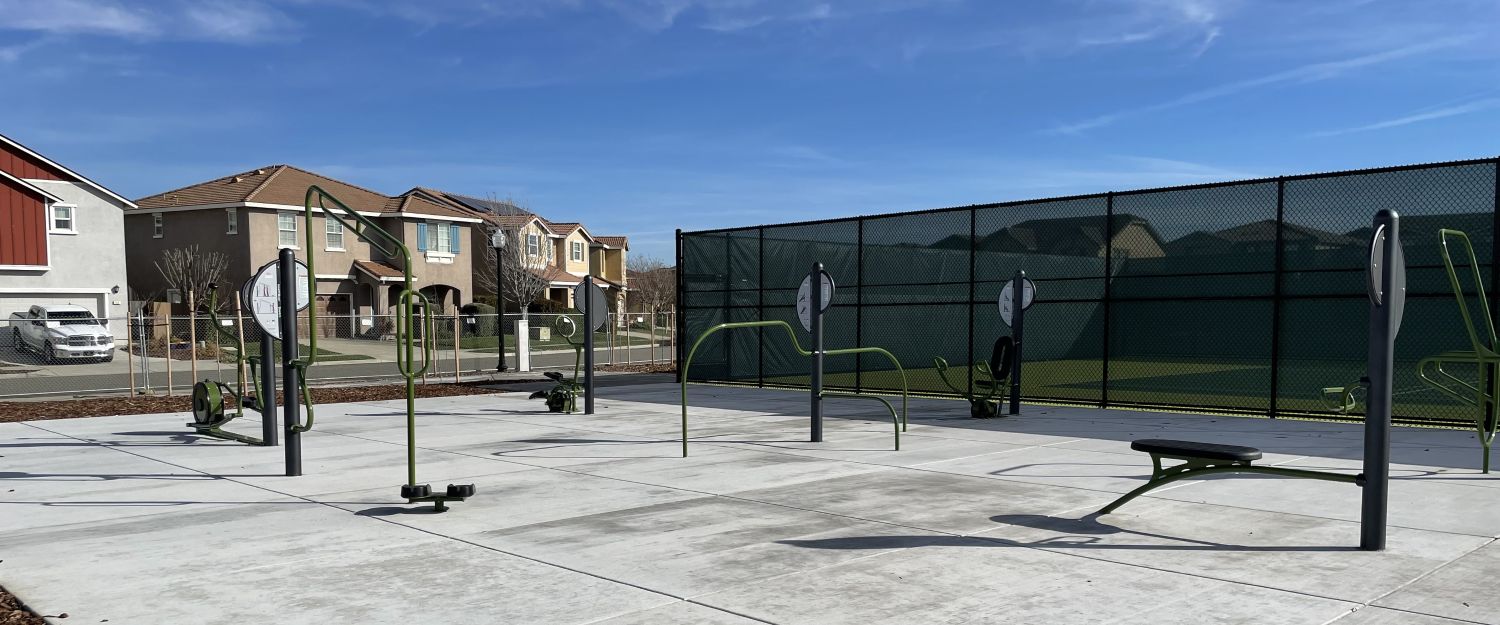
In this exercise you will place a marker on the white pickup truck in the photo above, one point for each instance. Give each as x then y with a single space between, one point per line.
62 332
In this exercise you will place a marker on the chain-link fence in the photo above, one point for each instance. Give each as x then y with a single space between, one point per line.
1242 296
166 355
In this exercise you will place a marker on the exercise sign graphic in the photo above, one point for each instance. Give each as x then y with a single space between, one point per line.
262 295
1028 293
804 298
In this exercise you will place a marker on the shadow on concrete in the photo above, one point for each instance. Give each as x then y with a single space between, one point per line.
105 477
1081 533
383 511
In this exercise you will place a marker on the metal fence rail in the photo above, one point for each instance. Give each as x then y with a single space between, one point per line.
1240 296
166 355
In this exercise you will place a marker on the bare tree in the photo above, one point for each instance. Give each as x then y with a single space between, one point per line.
188 269
653 285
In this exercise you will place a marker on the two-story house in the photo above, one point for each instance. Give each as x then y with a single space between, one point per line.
61 236
561 253
250 216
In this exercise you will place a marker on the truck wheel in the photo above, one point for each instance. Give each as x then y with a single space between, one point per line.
15 340
48 355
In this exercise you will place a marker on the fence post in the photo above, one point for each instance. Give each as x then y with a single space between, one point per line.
681 305
859 304
169 354
614 333
1277 271
523 344
1109 278
973 252
651 327
457 363
239 328
192 337
130 349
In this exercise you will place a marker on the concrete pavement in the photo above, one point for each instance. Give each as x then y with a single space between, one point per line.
599 520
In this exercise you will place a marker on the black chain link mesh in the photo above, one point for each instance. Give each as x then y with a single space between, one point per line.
1173 297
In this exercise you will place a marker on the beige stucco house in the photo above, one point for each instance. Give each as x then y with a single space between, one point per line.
562 253
250 216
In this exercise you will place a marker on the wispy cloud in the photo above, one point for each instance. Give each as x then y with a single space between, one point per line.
239 21
1314 72
1429 115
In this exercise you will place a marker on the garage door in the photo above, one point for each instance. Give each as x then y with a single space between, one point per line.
21 302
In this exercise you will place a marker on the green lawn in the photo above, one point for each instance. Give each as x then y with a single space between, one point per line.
1238 386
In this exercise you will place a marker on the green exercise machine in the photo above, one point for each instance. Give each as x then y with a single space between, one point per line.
813 298
216 404
989 379
563 396
1437 372
1434 371
406 329
1387 295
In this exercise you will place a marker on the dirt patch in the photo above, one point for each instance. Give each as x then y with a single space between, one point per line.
13 612
643 367
110 406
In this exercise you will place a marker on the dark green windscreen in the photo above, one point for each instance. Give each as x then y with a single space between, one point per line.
1244 296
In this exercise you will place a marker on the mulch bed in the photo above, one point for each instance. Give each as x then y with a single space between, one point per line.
13 612
110 406
644 367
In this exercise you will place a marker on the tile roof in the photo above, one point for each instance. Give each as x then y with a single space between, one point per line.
287 185
613 241
551 273
378 269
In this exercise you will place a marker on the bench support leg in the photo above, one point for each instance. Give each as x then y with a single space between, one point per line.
1198 467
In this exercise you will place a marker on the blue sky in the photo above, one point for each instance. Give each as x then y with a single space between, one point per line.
640 116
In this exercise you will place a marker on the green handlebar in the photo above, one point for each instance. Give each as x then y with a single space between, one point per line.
688 362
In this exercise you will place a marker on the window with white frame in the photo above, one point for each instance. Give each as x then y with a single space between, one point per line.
440 238
156 225
286 230
533 245
333 231
231 220
63 219
577 251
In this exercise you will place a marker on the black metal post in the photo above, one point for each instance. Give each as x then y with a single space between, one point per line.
815 313
859 304
681 307
286 271
586 306
1276 297
500 301
1109 276
267 396
1387 298
1017 317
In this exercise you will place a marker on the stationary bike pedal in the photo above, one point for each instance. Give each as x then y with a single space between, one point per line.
460 491
415 491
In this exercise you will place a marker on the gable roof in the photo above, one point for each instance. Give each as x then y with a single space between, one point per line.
286 185
613 242
30 187
75 175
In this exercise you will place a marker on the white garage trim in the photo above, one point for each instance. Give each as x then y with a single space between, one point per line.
102 294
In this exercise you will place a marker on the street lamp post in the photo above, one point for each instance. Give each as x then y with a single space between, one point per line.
497 241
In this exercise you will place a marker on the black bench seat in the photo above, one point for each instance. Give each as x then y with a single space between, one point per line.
1191 449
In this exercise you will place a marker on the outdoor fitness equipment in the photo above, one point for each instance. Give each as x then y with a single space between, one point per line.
816 287
563 396
1482 356
990 381
1387 292
1005 360
392 247
210 396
